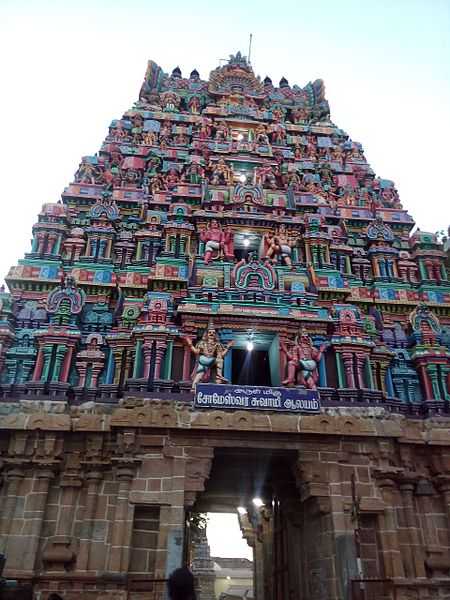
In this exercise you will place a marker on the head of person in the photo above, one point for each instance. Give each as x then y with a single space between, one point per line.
181 585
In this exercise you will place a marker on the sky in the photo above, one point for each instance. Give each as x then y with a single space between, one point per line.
67 68
225 537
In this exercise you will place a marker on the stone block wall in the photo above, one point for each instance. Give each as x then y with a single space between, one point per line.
93 505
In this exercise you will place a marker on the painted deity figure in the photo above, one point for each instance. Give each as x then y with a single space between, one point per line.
170 101
195 173
294 182
87 173
298 152
280 245
265 176
205 129
166 132
194 105
221 173
302 362
222 131
149 138
210 357
216 242
299 115
158 184
278 134
172 178
261 135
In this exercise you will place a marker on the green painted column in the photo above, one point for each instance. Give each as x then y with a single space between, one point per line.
432 372
167 371
137 360
60 353
369 374
340 371
444 371
422 270
348 265
47 352
57 248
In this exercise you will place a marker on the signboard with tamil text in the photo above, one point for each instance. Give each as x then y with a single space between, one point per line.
245 397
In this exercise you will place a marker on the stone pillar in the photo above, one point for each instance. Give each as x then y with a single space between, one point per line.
70 484
393 565
417 558
123 522
35 505
14 479
93 478
60 552
444 488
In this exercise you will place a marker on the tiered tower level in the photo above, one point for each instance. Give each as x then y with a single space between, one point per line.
219 211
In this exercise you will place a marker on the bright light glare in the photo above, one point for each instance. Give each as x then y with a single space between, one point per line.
258 502
241 510
242 178
240 137
246 242
250 346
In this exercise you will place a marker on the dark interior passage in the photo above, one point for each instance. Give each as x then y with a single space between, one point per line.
250 368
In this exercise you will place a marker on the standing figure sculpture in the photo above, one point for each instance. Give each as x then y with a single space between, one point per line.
280 245
217 242
303 359
210 357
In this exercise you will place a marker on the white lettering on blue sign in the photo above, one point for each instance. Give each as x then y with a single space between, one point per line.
297 400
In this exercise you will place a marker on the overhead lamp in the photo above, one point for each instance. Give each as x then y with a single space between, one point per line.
249 345
242 510
246 241
240 137
242 178
257 502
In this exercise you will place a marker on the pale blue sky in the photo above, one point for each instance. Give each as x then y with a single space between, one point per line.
68 68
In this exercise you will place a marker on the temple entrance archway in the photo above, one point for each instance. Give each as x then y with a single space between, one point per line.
259 485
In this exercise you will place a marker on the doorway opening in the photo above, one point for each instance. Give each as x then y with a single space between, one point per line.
250 368
231 555
256 485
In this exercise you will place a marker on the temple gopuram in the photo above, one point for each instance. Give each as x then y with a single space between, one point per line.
227 311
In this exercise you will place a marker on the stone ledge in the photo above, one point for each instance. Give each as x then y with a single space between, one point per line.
359 421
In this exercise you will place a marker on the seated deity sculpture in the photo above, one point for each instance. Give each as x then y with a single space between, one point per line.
279 245
217 242
221 174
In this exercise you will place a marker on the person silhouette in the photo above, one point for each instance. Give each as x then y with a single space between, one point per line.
181 585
